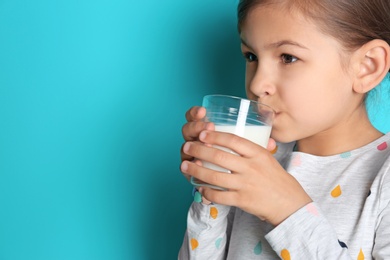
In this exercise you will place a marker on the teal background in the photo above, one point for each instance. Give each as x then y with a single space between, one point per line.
92 100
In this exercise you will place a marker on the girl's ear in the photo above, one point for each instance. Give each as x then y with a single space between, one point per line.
372 63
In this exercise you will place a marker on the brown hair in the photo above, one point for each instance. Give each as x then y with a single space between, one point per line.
352 22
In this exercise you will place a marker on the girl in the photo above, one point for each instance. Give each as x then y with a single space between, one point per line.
325 193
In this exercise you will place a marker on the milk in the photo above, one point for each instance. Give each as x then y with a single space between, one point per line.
257 134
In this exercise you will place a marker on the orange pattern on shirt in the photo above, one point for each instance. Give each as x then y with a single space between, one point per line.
194 243
285 254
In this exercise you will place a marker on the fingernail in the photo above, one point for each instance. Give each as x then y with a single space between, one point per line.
184 166
186 147
202 135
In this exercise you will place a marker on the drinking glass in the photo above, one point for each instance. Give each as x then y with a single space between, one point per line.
246 118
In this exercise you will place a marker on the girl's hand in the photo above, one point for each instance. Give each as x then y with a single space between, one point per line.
192 128
195 125
258 183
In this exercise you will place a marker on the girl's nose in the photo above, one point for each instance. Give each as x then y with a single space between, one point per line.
260 83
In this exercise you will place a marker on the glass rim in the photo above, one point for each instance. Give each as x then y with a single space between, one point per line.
241 98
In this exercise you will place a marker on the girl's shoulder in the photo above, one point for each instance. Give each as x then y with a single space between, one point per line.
379 148
377 152
382 149
369 158
382 180
374 158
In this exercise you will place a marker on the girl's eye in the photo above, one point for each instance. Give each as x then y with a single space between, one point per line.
250 57
288 59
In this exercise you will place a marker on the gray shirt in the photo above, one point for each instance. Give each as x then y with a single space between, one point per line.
349 217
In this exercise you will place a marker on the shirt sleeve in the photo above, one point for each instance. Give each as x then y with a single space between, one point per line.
307 234
207 233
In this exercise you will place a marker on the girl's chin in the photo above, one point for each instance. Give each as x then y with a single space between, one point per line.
282 137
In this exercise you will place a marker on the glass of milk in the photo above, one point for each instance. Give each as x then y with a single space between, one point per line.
246 118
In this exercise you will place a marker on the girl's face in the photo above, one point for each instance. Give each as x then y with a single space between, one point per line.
298 71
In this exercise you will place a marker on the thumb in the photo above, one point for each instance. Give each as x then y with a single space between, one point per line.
271 145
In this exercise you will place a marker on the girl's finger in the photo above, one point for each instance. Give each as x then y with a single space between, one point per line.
184 156
271 144
187 176
191 130
195 113
233 142
227 197
220 179
219 156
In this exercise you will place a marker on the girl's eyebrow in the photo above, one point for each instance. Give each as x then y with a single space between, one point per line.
244 43
285 42
278 44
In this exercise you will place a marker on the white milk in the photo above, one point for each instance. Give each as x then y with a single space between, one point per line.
256 134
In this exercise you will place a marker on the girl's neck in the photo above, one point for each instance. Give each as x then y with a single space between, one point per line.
354 133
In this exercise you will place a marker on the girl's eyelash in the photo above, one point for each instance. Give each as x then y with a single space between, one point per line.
285 58
250 57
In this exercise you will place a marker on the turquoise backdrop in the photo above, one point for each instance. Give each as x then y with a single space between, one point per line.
92 100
